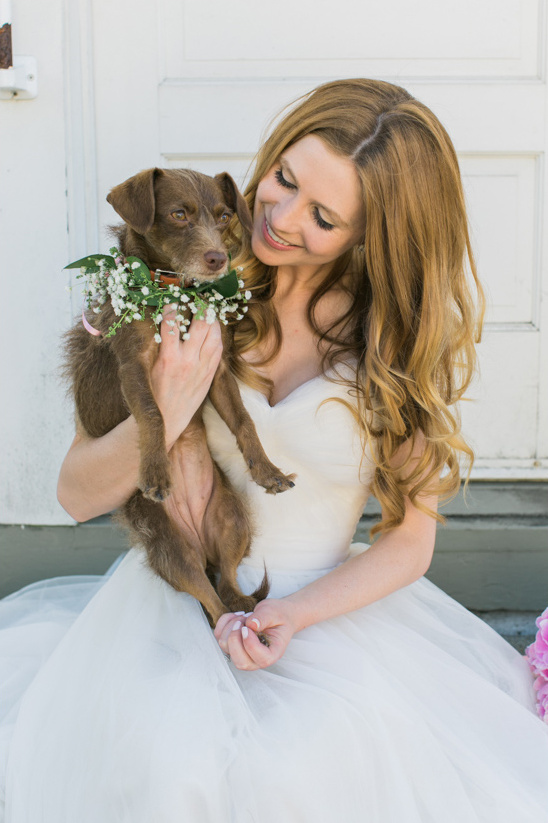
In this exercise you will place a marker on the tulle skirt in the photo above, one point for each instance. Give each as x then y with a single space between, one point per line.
117 706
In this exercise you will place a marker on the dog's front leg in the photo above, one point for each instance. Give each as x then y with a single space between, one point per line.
154 472
225 396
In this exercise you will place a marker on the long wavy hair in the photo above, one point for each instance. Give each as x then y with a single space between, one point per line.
417 306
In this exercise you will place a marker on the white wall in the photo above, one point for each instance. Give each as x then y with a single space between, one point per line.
35 420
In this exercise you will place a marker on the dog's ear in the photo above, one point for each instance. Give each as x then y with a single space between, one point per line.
235 200
134 200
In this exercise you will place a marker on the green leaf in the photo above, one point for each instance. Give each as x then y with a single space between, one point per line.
141 275
227 286
91 261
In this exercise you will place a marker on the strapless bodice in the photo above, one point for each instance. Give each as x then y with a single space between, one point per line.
310 526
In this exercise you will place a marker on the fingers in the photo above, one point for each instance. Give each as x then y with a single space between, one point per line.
169 332
203 342
223 620
241 642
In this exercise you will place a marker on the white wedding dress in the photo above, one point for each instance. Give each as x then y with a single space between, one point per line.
119 707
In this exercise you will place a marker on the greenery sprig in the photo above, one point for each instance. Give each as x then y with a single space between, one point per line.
131 289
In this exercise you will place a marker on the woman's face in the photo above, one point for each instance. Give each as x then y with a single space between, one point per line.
308 208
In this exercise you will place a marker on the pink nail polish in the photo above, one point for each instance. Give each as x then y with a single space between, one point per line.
245 632
240 612
254 620
236 626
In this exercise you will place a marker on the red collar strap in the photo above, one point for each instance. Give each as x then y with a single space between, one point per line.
164 279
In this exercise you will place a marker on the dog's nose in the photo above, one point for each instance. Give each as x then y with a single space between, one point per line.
215 260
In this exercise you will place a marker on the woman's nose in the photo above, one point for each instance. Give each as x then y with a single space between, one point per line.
285 214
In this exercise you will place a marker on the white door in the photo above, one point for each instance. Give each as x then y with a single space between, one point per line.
195 84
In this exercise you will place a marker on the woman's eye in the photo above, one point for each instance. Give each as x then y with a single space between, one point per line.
323 224
278 174
179 215
224 218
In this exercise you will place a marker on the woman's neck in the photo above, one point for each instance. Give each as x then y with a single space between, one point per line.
299 279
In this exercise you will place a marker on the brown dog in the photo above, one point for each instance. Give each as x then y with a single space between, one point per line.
174 220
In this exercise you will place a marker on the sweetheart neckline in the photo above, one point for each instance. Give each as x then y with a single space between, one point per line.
294 391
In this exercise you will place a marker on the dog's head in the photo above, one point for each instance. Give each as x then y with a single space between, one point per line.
181 215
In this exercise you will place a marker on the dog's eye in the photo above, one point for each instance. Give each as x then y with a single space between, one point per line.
224 218
179 215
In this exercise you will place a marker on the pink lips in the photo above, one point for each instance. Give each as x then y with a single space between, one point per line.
271 242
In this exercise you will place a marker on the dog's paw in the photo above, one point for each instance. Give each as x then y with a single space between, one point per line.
279 483
270 477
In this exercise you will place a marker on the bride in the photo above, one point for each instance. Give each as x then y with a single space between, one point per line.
379 699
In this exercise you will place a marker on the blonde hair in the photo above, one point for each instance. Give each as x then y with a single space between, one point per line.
413 319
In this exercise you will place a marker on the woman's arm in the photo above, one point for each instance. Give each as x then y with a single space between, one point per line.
395 560
99 474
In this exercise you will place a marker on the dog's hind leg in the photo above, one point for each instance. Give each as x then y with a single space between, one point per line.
227 537
177 558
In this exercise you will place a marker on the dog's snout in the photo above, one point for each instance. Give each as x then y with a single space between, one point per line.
215 260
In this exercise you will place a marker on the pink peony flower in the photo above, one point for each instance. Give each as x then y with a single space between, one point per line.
537 657
541 688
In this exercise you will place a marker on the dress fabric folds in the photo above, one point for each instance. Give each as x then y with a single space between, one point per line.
117 705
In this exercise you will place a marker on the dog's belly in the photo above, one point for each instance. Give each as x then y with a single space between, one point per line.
193 478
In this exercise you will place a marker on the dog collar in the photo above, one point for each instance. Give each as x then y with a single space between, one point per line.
160 277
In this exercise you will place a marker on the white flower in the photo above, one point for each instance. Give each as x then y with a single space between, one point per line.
185 336
135 265
145 290
96 310
136 316
184 298
248 295
157 338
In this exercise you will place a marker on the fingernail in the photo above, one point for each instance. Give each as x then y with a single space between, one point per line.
254 620
236 625
248 614
245 632
240 612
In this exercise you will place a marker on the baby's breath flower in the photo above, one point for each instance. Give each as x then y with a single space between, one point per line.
129 298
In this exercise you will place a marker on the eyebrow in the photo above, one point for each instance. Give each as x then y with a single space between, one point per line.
333 214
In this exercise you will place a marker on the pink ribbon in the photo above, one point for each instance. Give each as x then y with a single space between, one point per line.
90 329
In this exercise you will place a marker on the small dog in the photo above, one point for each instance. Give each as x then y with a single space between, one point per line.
174 221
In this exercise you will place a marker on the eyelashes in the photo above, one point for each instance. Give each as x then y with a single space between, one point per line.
318 219
278 174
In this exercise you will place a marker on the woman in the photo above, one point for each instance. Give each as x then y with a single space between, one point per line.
379 698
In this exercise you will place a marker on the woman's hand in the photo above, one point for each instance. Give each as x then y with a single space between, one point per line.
236 634
182 374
